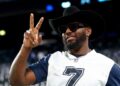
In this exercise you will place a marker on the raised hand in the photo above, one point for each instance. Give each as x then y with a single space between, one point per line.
32 38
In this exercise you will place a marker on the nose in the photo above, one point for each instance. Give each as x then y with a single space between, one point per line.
68 31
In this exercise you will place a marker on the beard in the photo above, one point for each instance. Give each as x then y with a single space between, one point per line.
78 43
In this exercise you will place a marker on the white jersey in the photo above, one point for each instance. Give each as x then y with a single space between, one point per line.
92 69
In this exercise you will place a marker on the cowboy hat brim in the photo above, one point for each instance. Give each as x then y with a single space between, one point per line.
90 18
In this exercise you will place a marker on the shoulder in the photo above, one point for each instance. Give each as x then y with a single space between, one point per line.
58 54
103 58
103 61
50 55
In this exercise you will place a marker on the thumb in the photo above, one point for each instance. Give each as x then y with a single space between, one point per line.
39 38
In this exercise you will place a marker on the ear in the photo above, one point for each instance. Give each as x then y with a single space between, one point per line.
88 31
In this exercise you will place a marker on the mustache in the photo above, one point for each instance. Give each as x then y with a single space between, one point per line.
68 35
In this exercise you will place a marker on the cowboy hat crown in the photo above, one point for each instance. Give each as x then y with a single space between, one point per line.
70 11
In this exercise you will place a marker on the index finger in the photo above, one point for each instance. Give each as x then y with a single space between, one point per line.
31 21
38 26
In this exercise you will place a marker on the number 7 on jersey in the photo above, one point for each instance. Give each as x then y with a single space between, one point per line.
75 73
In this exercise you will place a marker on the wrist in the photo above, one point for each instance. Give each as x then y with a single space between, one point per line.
26 48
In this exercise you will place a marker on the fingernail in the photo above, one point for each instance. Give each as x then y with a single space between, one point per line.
31 14
42 18
28 31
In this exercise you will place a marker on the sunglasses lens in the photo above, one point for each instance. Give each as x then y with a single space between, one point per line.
74 26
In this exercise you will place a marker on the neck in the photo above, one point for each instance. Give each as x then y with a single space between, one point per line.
81 51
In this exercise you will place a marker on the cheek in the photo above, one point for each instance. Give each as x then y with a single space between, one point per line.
80 32
81 35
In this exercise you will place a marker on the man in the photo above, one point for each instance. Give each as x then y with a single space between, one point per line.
78 65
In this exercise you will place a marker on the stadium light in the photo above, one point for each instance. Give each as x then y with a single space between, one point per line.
49 8
2 32
82 2
66 4
103 0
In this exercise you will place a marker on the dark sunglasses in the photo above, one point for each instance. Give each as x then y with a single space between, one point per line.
72 26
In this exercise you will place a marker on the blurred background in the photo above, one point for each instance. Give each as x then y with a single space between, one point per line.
14 21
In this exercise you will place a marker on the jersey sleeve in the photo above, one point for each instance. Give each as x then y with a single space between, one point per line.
114 76
40 69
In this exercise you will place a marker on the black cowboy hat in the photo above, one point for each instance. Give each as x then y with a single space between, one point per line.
73 14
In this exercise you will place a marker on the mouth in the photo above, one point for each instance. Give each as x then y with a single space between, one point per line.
70 39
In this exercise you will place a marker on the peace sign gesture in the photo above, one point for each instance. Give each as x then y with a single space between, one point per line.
32 38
